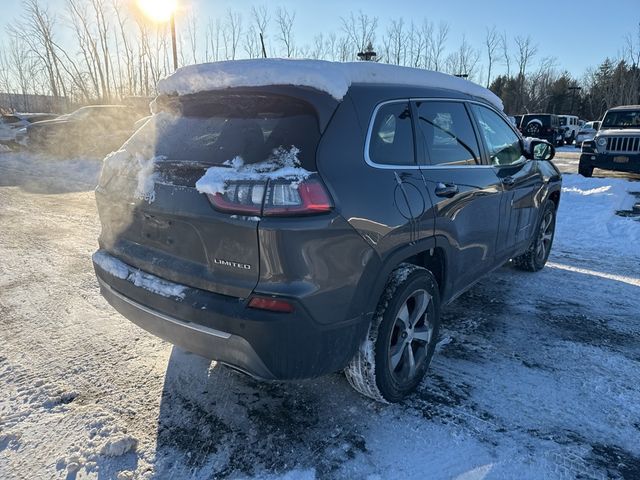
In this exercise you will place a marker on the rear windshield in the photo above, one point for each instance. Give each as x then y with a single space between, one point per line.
544 119
622 119
215 129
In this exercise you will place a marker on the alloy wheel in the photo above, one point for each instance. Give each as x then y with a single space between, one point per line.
410 337
545 236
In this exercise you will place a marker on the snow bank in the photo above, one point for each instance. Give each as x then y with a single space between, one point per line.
588 220
333 78
282 164
120 270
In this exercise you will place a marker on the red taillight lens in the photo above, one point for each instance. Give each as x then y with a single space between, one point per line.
273 198
304 198
271 304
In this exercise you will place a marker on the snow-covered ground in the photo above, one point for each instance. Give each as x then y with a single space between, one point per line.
537 375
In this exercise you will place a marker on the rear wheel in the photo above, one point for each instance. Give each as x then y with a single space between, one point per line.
398 349
536 256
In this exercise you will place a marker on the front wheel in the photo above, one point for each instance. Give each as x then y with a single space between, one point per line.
537 254
402 337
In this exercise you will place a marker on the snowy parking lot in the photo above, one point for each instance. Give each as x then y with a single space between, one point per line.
536 375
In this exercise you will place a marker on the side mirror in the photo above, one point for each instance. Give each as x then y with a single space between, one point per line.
541 150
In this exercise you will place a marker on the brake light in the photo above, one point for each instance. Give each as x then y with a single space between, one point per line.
273 198
271 304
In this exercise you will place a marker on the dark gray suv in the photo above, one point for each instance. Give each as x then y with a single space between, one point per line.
288 233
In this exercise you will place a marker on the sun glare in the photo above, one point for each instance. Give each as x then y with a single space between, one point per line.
158 10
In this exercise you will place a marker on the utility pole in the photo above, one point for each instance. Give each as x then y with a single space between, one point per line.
173 42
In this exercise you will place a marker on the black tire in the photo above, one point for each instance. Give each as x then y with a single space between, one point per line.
585 170
536 256
398 334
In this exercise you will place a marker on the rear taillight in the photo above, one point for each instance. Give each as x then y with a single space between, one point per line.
273 198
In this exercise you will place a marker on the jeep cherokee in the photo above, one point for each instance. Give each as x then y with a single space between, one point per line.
295 218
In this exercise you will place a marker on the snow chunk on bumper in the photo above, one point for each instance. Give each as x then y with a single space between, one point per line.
334 78
121 270
282 164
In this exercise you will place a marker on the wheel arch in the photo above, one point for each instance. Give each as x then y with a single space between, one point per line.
426 253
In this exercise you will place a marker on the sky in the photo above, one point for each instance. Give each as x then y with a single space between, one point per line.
579 34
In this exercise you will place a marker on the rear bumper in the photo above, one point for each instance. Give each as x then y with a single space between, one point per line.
606 161
265 345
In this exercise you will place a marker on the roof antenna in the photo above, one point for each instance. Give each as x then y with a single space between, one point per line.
264 50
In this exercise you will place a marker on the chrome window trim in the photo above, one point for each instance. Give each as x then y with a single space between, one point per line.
384 166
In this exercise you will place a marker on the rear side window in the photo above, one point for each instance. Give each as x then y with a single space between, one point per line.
446 134
215 129
391 140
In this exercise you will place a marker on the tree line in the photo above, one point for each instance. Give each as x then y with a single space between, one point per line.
101 51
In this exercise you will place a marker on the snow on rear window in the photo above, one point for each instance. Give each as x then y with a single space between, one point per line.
333 78
282 164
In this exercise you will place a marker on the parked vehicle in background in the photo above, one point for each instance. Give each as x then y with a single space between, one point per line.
569 124
542 125
294 231
12 125
93 130
587 132
616 145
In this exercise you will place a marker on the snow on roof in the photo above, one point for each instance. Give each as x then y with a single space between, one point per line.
334 78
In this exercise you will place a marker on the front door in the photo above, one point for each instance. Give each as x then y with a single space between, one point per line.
520 178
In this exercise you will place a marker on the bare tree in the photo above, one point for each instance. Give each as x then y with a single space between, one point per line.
192 35
504 50
212 40
231 32
438 45
260 19
526 51
395 42
491 42
360 31
285 20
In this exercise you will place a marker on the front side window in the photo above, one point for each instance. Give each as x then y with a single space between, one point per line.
446 134
391 141
503 144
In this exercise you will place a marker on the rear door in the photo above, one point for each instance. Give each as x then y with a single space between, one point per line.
390 148
465 192
520 179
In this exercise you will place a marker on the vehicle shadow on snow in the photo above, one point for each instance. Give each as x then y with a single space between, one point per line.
214 422
219 421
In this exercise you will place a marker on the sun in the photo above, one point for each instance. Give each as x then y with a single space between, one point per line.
158 10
